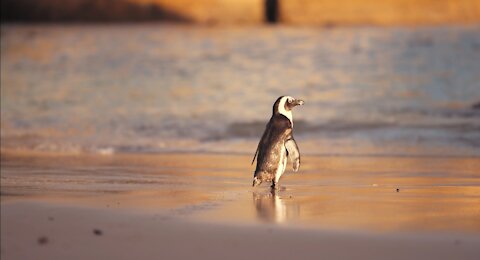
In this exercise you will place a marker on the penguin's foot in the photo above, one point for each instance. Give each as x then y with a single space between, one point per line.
274 186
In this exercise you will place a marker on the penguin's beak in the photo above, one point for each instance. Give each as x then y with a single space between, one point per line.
294 103
298 102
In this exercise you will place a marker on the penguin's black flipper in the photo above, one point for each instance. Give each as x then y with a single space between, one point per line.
255 156
293 153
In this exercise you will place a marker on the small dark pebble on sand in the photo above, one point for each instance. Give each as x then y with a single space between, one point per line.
97 232
42 240
398 189
476 105
51 218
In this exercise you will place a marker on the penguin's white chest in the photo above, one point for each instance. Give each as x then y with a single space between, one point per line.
282 164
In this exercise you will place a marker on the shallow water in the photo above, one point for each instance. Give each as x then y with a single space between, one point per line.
340 193
153 88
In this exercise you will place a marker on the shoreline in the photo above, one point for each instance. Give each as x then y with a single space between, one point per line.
102 154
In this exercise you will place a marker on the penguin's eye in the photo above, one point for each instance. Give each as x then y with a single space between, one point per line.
290 100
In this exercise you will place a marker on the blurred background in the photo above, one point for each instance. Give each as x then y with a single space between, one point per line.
392 77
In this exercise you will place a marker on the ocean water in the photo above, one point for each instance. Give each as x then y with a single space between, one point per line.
157 88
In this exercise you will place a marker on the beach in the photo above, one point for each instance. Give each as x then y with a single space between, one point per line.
136 141
127 235
201 205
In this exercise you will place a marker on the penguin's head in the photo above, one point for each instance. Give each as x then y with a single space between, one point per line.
284 105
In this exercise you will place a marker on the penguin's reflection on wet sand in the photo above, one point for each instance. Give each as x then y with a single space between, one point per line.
271 207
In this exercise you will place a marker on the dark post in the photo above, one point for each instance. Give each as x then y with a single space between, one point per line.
271 11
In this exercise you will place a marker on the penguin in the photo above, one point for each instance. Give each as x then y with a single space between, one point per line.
277 144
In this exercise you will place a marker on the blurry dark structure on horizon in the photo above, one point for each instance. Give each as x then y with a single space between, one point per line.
296 12
85 11
271 11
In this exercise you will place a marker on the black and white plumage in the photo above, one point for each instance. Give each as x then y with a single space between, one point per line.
277 144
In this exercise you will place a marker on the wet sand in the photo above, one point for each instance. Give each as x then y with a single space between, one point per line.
46 231
201 205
